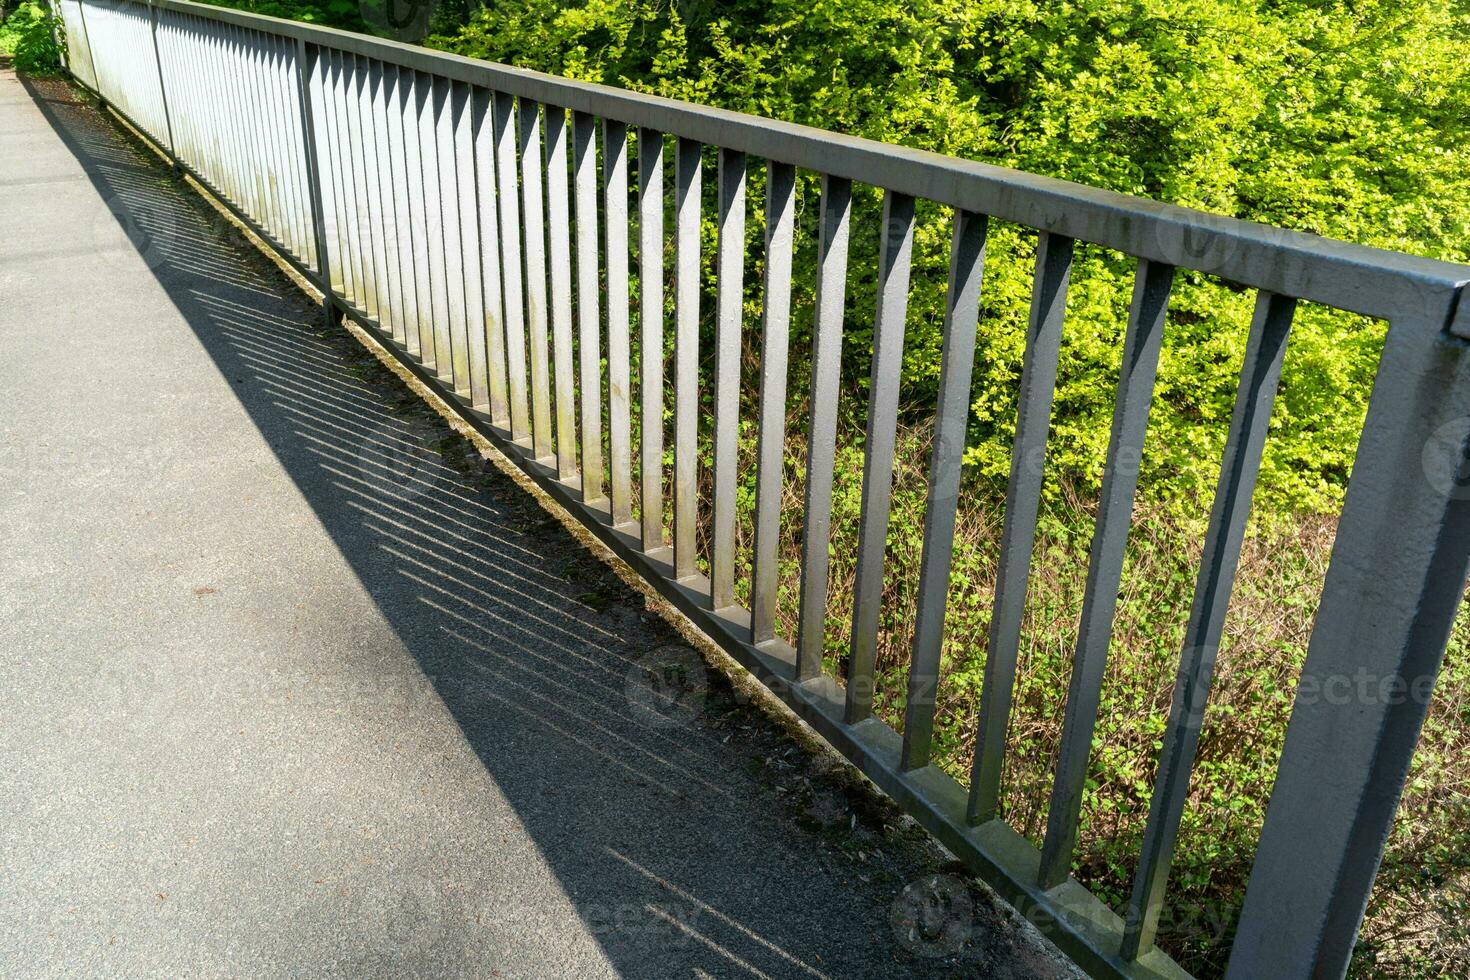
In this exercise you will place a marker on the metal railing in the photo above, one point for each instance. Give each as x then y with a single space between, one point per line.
428 196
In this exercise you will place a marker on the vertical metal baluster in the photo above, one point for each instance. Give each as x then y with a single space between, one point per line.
252 197
256 159
115 73
469 238
199 51
371 205
589 320
166 52
535 245
362 229
1105 568
116 79
421 184
831 291
1259 373
399 99
385 229
287 155
651 334
296 155
172 63
222 74
162 89
456 94
1018 536
150 69
308 73
330 170
247 106
182 45
174 58
163 54
619 382
107 81
147 76
951 420
317 178
318 110
211 55
510 247
191 46
687 171
357 289
415 109
193 49
348 138
307 190
559 220
146 71
209 140
252 194
266 162
397 108
729 303
771 450
434 107
896 245
271 160
165 58
391 178
121 60
209 61
268 125
125 70
488 214
298 233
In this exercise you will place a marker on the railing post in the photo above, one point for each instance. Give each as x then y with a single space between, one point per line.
168 122
1395 580
305 68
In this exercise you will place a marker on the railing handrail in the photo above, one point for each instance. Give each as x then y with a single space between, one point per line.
1358 278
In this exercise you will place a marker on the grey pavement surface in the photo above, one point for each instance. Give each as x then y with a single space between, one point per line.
291 685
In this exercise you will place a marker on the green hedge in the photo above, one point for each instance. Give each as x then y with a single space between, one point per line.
26 36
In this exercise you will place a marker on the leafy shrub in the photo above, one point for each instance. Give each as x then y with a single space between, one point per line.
26 36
